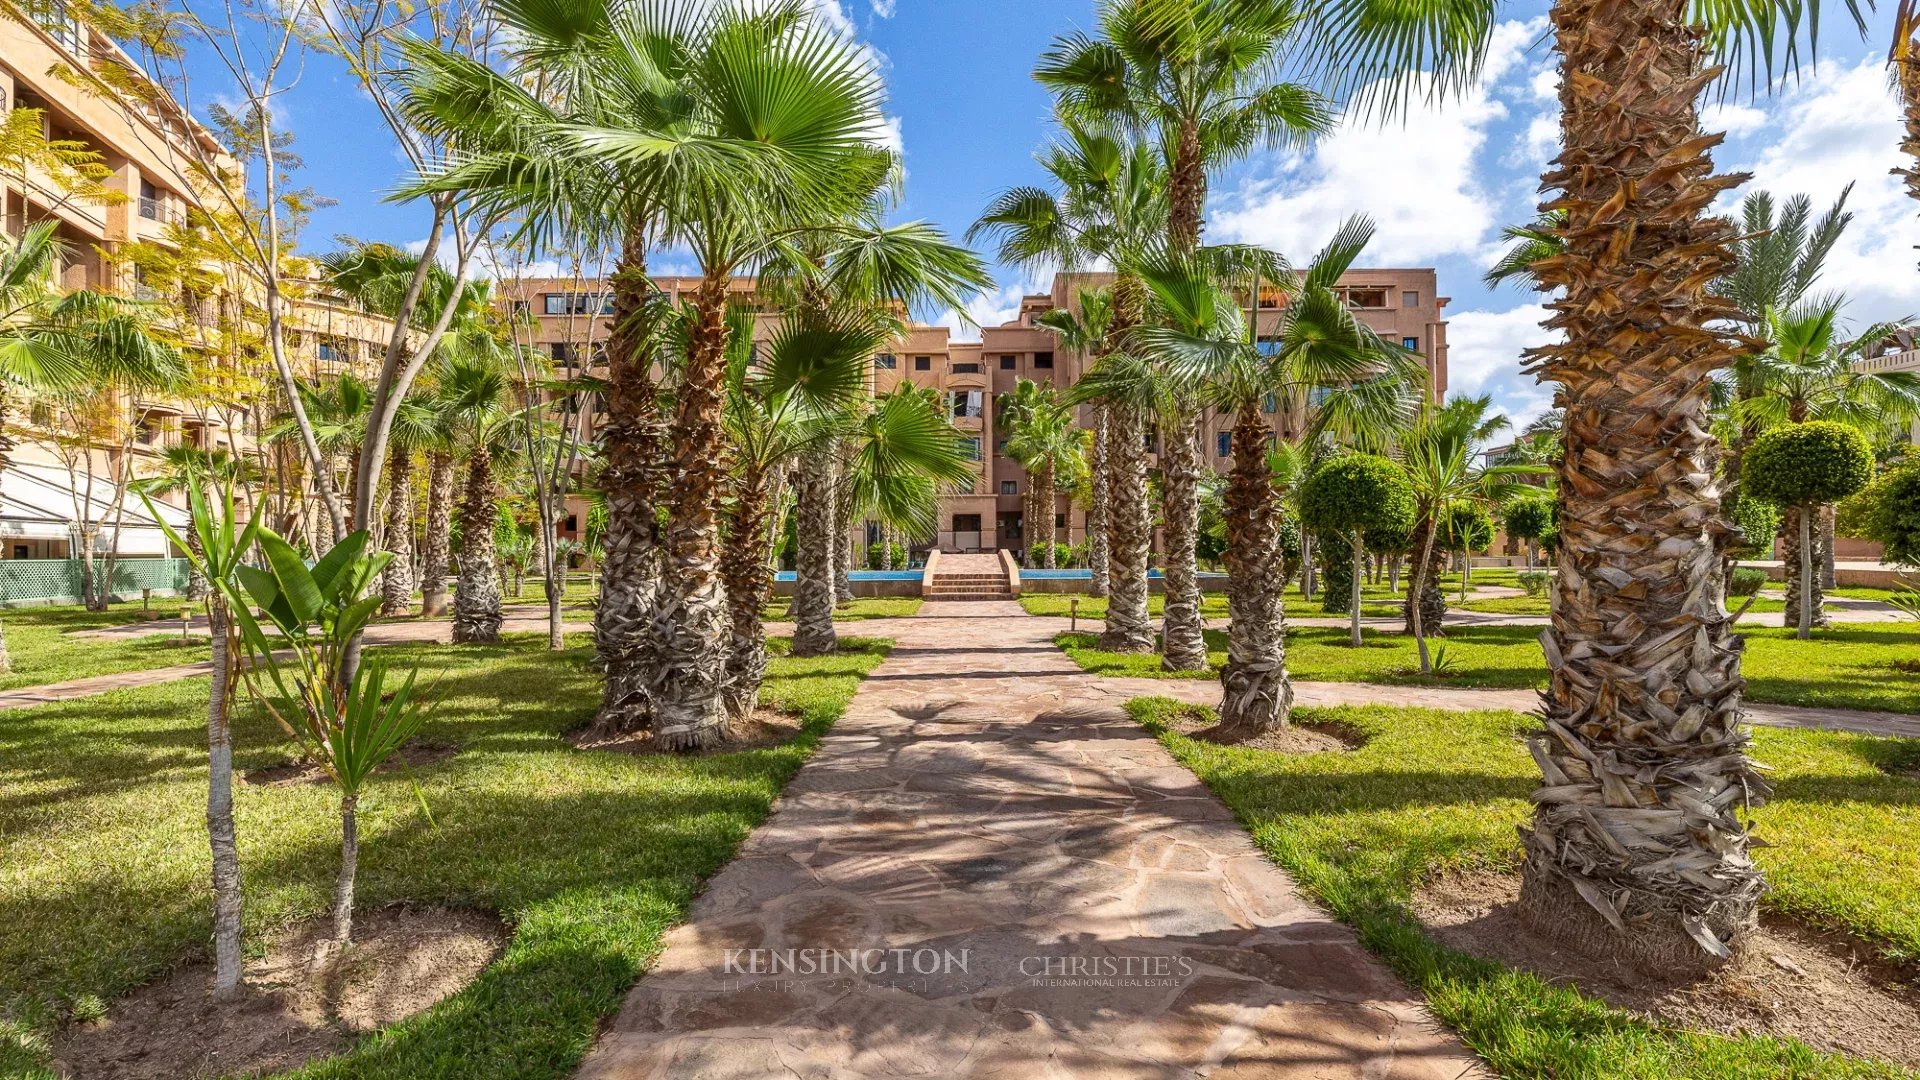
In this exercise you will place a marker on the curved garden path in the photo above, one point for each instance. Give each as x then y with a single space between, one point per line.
1066 901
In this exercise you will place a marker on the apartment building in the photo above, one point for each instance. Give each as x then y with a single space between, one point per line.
156 158
568 320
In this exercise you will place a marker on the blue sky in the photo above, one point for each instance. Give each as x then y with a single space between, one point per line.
1439 183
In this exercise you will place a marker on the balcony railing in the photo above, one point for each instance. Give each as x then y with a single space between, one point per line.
1909 360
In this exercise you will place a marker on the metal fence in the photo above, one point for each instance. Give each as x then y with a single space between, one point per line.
26 582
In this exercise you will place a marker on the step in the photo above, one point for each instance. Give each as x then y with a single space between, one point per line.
943 590
968 596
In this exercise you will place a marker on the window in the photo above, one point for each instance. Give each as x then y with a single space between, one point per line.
1009 487
333 351
522 309
561 353
573 522
1409 298
973 448
1366 297
1059 521
1269 405
966 523
1043 359
1411 343
1008 363
966 369
923 363
578 303
886 361
966 402
149 201
1223 444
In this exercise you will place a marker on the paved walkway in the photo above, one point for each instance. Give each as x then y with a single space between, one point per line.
1011 879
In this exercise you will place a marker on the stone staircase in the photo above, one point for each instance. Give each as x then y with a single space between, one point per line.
969 577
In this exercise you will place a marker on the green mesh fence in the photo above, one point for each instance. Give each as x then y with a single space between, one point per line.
57 581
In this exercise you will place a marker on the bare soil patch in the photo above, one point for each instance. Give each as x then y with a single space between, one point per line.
1296 738
411 756
1825 989
300 1002
767 727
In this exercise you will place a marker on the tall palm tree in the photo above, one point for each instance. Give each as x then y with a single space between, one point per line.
1108 204
1809 372
1199 77
475 391
1042 439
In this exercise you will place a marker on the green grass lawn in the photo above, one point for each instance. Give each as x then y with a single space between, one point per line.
1849 666
1373 602
42 651
1435 791
588 855
865 607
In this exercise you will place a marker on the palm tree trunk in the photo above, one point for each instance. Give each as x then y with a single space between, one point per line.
1359 566
843 541
1183 644
1907 72
1423 588
1637 850
439 534
196 581
633 447
1256 695
692 618
746 564
396 581
1050 556
812 605
476 603
1099 496
1417 610
349 869
1128 627
221 836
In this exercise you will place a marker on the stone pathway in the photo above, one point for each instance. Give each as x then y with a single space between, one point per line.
394 633
1006 877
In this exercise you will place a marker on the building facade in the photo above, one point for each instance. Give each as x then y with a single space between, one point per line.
567 319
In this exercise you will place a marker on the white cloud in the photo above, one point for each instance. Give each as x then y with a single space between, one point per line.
1543 139
1416 177
1545 83
885 8
1732 118
987 309
1483 357
1844 127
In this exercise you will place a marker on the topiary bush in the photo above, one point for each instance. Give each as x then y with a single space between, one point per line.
1759 522
1529 517
1895 515
1355 494
877 554
1745 581
1807 464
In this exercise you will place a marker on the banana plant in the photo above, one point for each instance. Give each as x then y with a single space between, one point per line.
349 724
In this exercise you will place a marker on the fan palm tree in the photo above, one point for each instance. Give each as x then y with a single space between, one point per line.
1042 439
474 394
1809 372
1108 204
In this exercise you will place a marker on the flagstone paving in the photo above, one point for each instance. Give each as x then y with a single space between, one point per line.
1008 877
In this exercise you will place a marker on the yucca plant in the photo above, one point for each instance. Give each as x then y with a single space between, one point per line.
217 548
349 724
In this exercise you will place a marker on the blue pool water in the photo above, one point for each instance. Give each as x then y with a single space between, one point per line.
863 575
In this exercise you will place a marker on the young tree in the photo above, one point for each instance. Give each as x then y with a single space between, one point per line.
1355 495
1803 466
1528 517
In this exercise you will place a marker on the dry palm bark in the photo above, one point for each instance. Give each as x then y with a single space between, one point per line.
396 581
746 565
1098 497
438 539
1256 696
1907 75
476 601
1433 599
632 478
1046 498
1637 849
812 604
691 619
842 540
1128 627
1183 645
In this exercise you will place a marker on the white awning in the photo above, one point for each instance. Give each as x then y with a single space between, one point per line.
37 503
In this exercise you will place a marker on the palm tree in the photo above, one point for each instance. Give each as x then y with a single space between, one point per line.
1904 58
1809 373
1322 364
1042 439
337 412
1199 77
1109 205
1528 244
474 391
1085 333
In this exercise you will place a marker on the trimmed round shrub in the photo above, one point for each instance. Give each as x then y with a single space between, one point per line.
1358 491
1391 540
1807 464
1745 581
1529 517
877 553
1895 519
1466 525
1759 522
1290 544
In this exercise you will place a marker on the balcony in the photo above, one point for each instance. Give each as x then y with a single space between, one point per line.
1907 360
